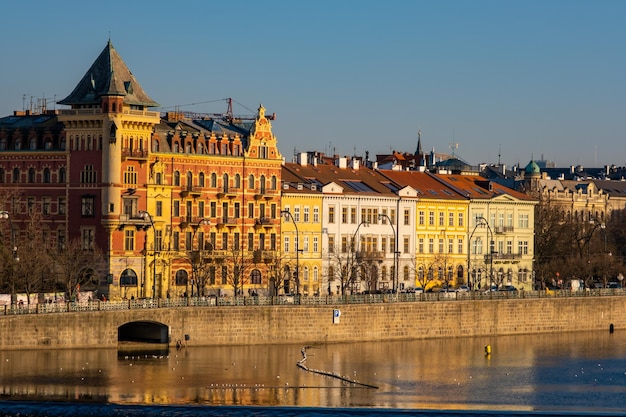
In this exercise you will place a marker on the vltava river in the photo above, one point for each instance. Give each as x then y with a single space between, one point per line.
568 372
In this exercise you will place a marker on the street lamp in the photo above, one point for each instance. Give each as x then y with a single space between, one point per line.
147 216
4 215
288 215
195 253
481 221
602 227
396 253
354 247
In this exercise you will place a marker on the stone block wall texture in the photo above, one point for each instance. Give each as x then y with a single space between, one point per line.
252 325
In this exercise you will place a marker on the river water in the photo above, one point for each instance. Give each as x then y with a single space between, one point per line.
563 373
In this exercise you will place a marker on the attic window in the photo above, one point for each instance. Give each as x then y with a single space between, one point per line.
313 187
128 86
285 186
299 186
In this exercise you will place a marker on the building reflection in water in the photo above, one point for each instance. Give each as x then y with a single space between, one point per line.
443 373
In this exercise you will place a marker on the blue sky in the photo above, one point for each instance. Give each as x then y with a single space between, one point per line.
520 78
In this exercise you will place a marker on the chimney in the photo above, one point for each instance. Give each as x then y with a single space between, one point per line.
301 159
341 162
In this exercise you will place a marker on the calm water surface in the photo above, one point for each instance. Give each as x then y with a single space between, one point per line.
564 373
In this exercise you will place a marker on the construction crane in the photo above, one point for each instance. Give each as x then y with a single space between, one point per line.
228 116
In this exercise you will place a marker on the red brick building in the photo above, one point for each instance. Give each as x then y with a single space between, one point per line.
171 202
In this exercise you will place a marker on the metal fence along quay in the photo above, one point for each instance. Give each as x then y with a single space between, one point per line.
293 300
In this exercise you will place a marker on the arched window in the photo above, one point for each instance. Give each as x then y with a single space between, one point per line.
128 278
262 184
46 175
213 180
176 178
189 179
158 178
251 182
32 144
62 175
255 277
460 273
155 146
420 274
306 273
237 181
225 182
200 148
274 182
315 274
405 273
383 273
18 144
3 144
48 145
181 277
201 179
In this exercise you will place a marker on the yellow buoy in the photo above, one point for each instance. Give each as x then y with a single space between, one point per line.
487 350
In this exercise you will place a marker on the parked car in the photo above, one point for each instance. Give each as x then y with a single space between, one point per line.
508 288
463 288
413 290
492 288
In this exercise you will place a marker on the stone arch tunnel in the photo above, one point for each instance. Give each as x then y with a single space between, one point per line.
143 332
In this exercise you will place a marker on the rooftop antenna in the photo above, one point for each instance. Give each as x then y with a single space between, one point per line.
499 153
453 145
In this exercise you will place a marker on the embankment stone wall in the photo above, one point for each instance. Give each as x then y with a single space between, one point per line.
251 325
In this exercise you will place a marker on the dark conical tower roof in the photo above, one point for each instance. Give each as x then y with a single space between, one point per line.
108 76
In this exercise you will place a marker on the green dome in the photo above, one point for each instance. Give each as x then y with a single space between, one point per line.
532 168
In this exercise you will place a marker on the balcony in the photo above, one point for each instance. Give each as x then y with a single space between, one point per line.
132 220
227 192
134 154
503 229
507 256
374 256
265 222
264 193
185 221
226 221
194 192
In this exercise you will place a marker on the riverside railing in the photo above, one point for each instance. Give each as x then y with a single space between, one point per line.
292 300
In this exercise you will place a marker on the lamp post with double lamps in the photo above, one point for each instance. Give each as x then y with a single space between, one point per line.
602 226
481 221
396 253
4 215
148 217
288 215
354 250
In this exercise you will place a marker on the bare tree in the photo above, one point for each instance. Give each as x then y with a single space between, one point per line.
345 269
31 255
240 263
423 269
77 265
274 267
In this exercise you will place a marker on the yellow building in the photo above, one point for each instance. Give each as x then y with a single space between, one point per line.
301 234
441 214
